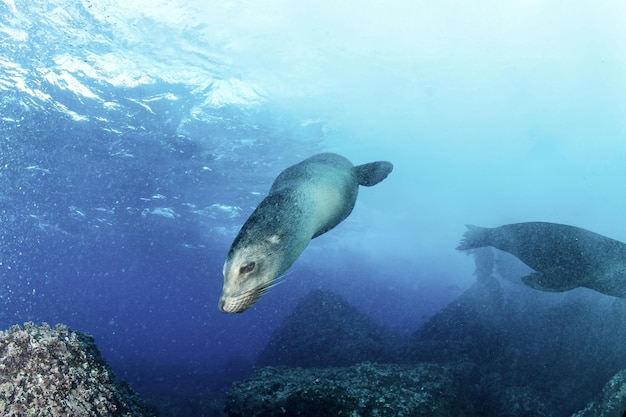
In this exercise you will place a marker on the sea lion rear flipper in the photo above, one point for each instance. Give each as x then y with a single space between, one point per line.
475 237
372 173
552 280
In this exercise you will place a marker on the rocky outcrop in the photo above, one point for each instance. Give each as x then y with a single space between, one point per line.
611 402
48 371
363 390
532 353
542 351
325 330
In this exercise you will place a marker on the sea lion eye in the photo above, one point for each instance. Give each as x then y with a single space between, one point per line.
247 268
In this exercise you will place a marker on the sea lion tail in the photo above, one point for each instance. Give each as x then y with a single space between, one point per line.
474 237
372 173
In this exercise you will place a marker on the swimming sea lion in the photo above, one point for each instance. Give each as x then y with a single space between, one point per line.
564 257
306 200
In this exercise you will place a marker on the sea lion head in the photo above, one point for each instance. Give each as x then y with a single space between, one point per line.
249 272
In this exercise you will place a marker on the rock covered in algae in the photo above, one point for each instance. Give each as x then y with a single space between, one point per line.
48 371
362 390
611 402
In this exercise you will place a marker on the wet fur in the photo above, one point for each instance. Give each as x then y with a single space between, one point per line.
306 200
564 257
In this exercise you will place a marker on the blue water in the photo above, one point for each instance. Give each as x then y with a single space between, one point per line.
136 138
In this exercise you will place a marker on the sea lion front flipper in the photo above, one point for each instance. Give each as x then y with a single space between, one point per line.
552 280
372 173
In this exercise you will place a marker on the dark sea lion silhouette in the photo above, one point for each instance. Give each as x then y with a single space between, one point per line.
305 201
564 257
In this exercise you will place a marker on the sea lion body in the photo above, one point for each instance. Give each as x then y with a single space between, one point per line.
564 257
305 201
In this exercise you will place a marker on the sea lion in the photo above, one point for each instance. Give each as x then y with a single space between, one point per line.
564 257
306 200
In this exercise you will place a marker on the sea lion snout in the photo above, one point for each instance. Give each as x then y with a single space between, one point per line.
236 298
222 305
248 273
229 307
239 300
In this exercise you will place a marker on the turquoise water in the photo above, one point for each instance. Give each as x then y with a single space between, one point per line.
136 138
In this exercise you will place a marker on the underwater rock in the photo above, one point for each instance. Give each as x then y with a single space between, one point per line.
496 399
523 352
469 327
521 401
325 330
361 391
611 402
48 371
535 351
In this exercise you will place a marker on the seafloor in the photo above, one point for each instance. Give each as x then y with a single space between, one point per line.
500 349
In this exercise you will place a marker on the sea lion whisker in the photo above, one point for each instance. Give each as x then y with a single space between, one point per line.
285 275
272 285
279 280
